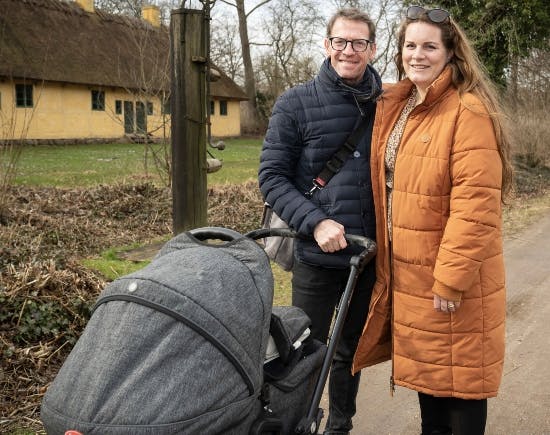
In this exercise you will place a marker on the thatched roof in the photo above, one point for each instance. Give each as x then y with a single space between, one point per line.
225 88
58 41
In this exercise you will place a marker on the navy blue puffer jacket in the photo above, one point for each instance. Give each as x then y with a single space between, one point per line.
309 123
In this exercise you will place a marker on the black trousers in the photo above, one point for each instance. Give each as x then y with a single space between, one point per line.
449 415
317 291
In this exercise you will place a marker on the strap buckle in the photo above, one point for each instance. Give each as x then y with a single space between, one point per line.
318 184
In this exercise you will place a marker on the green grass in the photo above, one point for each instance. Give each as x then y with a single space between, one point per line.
80 165
240 162
94 164
282 294
111 266
22 431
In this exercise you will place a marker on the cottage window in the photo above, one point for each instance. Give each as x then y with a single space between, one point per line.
23 95
223 108
212 107
118 107
98 100
149 108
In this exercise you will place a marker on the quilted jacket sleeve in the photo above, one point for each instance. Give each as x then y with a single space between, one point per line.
474 222
281 151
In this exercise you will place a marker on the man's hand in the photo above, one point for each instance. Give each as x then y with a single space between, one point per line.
329 235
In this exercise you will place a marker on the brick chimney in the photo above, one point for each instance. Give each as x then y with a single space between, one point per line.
87 5
151 14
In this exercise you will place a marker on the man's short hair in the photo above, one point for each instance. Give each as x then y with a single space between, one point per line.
353 14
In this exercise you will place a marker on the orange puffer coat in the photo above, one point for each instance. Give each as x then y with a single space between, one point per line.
446 240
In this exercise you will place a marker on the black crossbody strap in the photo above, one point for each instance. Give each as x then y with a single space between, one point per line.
336 162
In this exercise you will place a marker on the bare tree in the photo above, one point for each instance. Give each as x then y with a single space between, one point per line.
528 96
249 77
294 32
291 28
122 7
532 76
225 51
14 127
166 7
339 4
385 14
147 73
133 8
386 19
289 57
15 121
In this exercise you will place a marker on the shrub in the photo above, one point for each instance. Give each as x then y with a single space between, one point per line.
531 133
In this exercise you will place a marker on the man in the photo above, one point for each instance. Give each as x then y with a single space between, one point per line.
309 123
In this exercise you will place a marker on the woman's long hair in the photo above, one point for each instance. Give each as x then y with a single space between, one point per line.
469 76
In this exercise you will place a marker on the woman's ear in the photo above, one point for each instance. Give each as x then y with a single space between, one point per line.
450 56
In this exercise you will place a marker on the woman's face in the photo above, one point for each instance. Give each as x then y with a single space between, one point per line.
424 55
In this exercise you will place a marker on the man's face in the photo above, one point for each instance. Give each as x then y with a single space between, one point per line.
350 64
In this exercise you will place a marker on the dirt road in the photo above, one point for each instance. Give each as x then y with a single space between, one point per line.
523 404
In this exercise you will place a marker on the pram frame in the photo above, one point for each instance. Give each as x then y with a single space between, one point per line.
311 422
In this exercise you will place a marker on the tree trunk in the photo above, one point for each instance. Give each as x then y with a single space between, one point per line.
513 85
249 79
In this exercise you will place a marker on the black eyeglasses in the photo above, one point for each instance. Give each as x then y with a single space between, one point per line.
435 15
340 44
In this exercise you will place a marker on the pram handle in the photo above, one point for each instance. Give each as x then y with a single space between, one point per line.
352 239
215 233
227 235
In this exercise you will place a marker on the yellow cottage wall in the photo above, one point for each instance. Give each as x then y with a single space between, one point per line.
226 125
64 111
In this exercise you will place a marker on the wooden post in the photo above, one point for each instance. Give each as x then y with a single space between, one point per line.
189 50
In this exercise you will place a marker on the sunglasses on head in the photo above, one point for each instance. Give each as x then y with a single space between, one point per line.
435 15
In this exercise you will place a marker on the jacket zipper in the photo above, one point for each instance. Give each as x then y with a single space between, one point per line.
392 378
390 284
392 383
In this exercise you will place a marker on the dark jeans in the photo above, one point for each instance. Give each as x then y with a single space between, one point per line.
317 291
449 415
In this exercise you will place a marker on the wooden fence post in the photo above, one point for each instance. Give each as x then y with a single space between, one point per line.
189 50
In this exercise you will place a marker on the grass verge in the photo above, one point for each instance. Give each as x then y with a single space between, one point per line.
111 266
93 164
522 212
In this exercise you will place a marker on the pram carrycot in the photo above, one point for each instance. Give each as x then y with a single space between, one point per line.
178 348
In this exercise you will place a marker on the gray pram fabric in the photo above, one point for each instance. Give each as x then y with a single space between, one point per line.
290 395
175 348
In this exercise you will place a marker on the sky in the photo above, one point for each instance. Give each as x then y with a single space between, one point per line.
256 25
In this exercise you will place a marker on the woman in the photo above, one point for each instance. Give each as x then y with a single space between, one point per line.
440 169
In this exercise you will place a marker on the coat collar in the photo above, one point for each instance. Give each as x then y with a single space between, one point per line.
401 90
369 89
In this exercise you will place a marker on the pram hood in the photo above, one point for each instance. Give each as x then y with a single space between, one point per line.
225 290
178 345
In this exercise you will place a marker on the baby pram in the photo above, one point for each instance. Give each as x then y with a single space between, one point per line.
179 348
